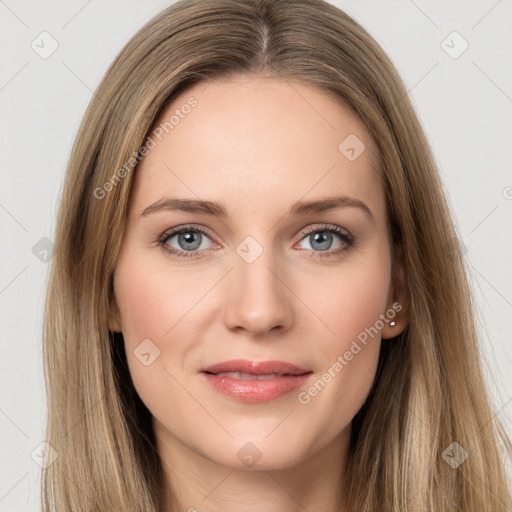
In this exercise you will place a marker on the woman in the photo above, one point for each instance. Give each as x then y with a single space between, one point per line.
256 302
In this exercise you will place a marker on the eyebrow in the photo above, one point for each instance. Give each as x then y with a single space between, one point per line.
299 208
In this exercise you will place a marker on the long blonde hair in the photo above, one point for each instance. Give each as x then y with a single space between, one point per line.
429 391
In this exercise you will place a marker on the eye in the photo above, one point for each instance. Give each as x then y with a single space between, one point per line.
189 240
322 238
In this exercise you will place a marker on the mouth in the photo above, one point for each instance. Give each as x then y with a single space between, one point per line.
255 382
250 376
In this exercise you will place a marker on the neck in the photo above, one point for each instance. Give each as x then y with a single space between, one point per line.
199 484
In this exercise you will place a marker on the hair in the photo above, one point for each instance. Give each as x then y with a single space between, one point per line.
429 390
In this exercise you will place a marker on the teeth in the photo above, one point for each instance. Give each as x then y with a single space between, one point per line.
247 376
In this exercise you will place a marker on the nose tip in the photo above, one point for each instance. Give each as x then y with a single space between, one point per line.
257 299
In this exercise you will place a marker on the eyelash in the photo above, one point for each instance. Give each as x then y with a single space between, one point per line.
345 237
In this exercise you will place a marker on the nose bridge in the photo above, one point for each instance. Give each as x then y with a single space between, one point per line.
258 300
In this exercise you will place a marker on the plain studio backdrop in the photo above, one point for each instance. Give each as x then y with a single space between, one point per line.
455 58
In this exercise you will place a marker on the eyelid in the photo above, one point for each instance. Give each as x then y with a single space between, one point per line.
192 227
326 227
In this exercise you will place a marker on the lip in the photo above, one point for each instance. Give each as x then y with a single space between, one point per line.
256 367
287 378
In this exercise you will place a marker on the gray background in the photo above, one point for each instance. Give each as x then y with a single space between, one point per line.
464 103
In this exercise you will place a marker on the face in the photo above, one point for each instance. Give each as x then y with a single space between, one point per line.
261 279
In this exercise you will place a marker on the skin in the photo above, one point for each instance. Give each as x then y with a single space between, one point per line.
256 145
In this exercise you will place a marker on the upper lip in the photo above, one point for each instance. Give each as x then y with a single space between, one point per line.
256 367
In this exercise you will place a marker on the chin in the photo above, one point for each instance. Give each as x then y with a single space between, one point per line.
259 455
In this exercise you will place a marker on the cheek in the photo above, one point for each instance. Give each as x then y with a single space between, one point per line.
159 315
154 302
350 305
352 300
150 307
142 304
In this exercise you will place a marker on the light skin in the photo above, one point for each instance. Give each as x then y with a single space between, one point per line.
255 145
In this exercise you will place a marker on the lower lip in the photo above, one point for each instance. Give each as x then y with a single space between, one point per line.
256 391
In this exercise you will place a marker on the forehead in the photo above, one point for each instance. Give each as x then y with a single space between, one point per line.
257 140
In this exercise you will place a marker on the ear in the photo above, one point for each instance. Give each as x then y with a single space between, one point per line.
398 306
114 317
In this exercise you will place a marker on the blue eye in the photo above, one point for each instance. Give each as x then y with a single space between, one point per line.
321 239
192 240
189 239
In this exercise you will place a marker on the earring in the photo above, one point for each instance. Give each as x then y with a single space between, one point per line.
392 324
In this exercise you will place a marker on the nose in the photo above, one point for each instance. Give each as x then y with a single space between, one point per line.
258 299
